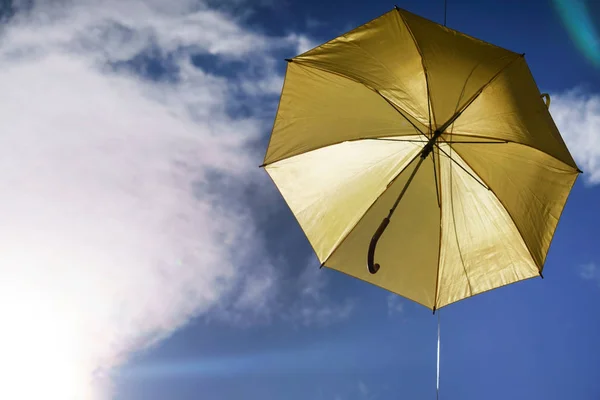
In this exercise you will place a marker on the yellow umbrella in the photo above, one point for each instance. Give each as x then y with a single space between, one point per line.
402 108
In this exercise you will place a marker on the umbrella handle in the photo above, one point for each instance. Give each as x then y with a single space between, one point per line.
373 267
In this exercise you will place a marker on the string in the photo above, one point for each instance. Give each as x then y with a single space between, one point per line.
437 393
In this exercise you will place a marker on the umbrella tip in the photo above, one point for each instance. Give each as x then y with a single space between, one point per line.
288 60
541 276
433 310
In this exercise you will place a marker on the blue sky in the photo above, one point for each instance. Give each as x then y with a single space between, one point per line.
168 267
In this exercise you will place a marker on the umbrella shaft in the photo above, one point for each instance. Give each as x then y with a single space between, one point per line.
429 146
427 149
406 185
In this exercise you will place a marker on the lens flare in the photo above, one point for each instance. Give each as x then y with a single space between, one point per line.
353 354
578 21
330 357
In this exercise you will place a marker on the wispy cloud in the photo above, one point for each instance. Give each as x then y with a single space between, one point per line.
115 230
590 272
577 115
366 392
395 304
314 23
298 295
363 389
314 305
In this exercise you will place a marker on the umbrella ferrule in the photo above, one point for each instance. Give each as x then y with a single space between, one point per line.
429 146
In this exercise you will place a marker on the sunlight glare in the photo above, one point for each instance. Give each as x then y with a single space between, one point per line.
39 351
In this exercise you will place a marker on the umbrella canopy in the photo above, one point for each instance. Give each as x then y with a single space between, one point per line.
448 134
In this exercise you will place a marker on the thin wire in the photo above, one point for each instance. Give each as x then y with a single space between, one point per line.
437 392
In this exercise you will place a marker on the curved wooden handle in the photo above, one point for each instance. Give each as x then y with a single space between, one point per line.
373 267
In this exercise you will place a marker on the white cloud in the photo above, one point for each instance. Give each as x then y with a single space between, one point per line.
577 116
303 42
106 246
121 29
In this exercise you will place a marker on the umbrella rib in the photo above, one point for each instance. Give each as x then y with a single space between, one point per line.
341 142
445 141
462 92
398 109
476 95
540 267
395 108
397 140
463 168
512 142
423 65
473 142
462 260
